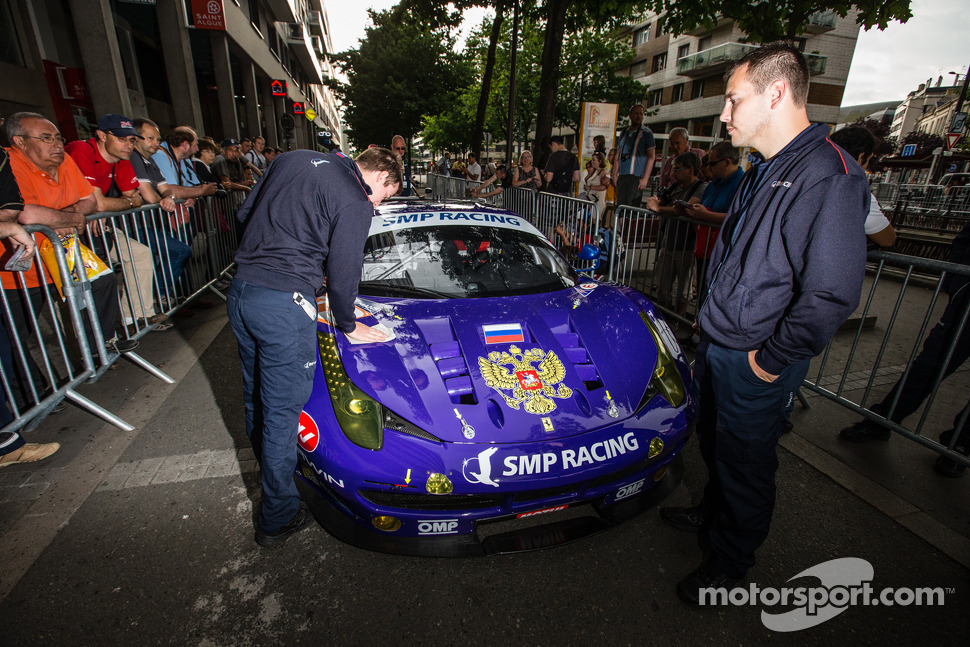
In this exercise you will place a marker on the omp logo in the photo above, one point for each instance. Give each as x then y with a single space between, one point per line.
775 185
629 490
440 527
843 583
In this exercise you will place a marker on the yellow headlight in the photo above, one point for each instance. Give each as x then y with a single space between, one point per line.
666 377
360 417
656 446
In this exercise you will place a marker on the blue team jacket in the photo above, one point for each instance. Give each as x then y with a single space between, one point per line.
787 269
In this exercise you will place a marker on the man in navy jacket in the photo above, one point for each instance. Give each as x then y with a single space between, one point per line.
309 215
785 273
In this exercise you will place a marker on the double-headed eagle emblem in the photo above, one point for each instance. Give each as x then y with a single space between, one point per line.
531 386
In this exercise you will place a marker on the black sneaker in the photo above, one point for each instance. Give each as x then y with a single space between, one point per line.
689 588
301 520
687 519
864 431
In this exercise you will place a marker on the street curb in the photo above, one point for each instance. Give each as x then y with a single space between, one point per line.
946 540
22 544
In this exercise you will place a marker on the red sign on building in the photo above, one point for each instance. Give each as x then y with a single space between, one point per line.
299 108
208 14
278 88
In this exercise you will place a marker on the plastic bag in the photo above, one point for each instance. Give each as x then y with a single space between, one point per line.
93 266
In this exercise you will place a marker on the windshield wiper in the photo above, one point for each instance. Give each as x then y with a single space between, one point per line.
392 289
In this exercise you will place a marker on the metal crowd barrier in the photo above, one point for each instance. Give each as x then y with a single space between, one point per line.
160 262
45 357
165 260
568 223
871 367
659 256
929 209
521 201
449 188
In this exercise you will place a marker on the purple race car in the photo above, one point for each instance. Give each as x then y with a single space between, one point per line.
516 405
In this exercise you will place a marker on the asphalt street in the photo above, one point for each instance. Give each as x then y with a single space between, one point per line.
146 538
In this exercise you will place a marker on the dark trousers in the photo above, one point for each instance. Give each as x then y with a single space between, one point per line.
927 365
739 424
628 191
278 352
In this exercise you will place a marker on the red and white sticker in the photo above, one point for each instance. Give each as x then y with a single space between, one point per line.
537 512
309 435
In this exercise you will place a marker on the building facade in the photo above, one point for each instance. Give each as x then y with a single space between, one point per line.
924 107
686 72
209 64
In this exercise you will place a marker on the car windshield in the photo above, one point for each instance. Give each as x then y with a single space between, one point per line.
460 261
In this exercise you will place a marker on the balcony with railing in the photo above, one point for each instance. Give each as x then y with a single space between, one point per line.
821 22
719 58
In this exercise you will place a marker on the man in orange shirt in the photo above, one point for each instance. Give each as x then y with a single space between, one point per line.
57 195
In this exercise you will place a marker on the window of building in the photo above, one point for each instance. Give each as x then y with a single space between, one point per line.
660 28
683 51
660 62
639 68
10 47
704 43
641 36
697 89
254 17
656 98
677 94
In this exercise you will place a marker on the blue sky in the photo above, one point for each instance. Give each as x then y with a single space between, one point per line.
886 66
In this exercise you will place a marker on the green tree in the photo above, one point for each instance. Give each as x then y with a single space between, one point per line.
560 16
447 13
590 58
765 22
400 72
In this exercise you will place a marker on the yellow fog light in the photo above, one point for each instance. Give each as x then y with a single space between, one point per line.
387 524
439 484
659 474
656 446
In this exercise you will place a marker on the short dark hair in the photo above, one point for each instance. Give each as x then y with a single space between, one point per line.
856 140
556 139
380 159
138 124
179 136
726 151
689 160
245 139
775 61
207 145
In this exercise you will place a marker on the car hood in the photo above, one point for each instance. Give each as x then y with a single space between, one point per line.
509 369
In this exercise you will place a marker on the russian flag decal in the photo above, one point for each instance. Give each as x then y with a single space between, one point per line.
503 334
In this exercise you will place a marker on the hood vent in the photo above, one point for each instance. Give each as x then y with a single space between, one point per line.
444 349
576 355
